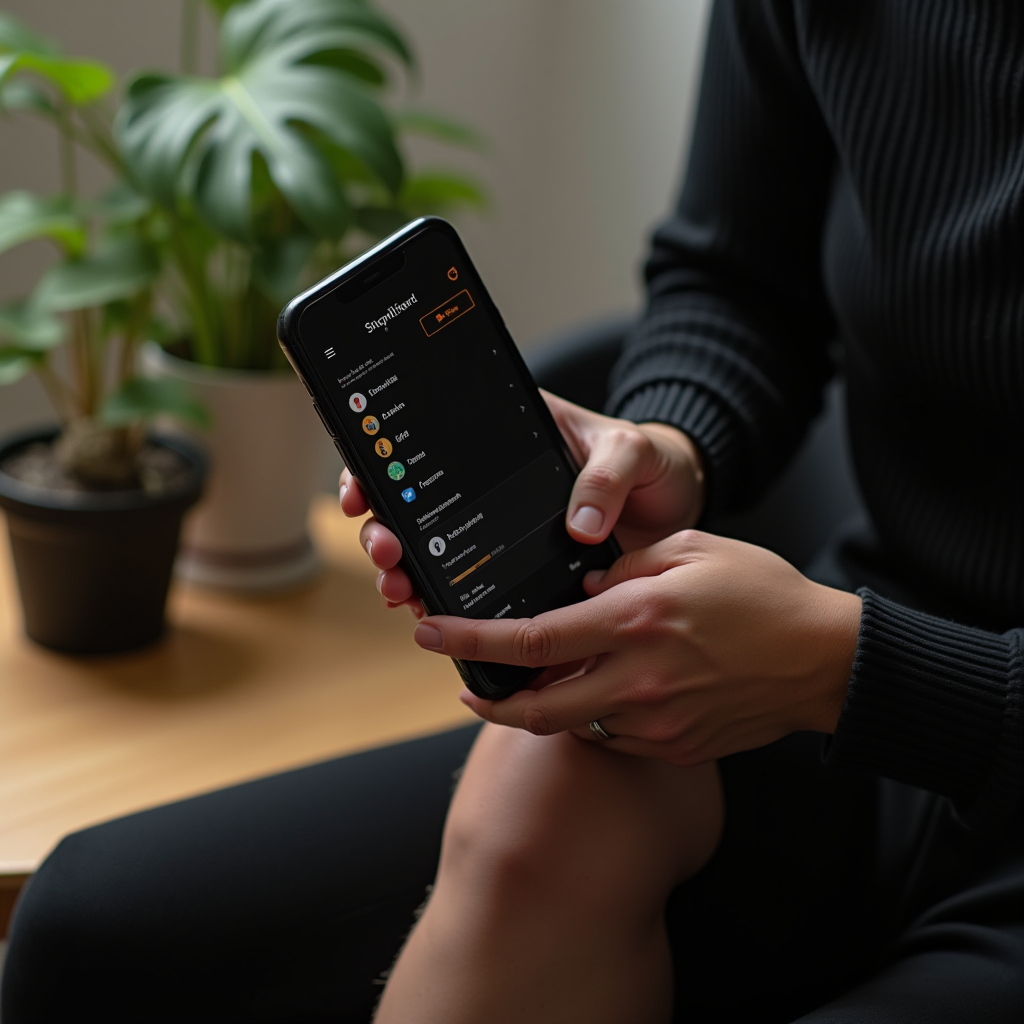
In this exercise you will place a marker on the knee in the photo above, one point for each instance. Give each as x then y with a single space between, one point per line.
52 936
551 821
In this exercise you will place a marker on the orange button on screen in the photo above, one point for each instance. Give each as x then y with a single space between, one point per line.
447 312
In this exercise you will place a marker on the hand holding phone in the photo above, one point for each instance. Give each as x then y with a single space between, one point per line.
644 482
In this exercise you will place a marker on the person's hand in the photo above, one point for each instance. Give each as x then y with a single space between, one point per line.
645 481
691 649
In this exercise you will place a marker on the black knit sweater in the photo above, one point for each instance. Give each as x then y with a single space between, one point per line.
857 171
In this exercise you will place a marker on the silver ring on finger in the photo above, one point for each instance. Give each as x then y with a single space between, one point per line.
598 731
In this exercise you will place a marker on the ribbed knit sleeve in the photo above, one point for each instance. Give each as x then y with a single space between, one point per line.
936 705
857 170
733 348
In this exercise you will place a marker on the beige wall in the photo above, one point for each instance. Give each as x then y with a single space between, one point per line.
585 103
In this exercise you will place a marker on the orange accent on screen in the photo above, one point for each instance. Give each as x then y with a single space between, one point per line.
440 317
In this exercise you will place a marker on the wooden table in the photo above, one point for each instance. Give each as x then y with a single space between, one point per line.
239 687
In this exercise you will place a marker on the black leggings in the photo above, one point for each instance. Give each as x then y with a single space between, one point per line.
829 899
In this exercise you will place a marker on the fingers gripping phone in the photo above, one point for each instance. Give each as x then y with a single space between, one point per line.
419 383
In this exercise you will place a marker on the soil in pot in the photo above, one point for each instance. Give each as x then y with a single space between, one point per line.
94 565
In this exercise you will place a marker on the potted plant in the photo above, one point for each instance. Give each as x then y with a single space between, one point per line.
268 175
93 506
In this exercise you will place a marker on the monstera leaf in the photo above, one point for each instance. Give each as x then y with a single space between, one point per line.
295 87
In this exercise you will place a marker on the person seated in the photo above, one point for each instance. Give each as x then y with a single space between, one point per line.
738 792
838 183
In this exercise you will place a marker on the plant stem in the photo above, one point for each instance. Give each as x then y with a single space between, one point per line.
193 277
98 138
81 359
130 338
56 390
90 371
237 274
189 36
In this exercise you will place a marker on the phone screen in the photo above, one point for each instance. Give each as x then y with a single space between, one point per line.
451 433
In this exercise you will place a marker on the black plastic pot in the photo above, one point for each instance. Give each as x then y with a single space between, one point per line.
94 568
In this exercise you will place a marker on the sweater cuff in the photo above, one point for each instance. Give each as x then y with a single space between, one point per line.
699 415
935 705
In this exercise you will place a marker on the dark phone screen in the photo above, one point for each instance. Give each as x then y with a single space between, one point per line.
421 381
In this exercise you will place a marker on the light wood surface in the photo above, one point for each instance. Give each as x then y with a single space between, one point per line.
238 688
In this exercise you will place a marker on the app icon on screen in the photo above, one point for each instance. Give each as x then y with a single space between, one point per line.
409 494
382 446
396 470
436 546
370 425
357 402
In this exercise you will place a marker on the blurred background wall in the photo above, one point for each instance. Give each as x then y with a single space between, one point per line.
585 105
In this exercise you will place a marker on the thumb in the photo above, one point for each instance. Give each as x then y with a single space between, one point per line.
618 460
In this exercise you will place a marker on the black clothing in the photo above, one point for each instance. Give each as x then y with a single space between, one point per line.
857 169
280 900
286 899
886 138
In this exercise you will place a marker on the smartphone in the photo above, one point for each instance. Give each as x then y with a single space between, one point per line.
416 378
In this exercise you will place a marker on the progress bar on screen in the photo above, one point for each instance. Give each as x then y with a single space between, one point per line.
463 575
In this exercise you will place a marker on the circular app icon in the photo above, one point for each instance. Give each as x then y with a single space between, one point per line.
357 402
436 545
370 425
396 470
382 446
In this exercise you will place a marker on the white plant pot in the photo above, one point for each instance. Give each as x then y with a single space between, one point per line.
266 456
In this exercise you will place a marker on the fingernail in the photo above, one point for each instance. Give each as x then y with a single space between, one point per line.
587 519
592 578
369 548
428 636
380 582
341 493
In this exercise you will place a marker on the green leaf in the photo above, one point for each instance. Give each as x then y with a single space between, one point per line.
309 28
30 327
16 37
120 204
278 267
379 221
359 65
25 217
14 364
421 122
81 81
142 398
194 140
119 270
437 191
221 7
21 94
